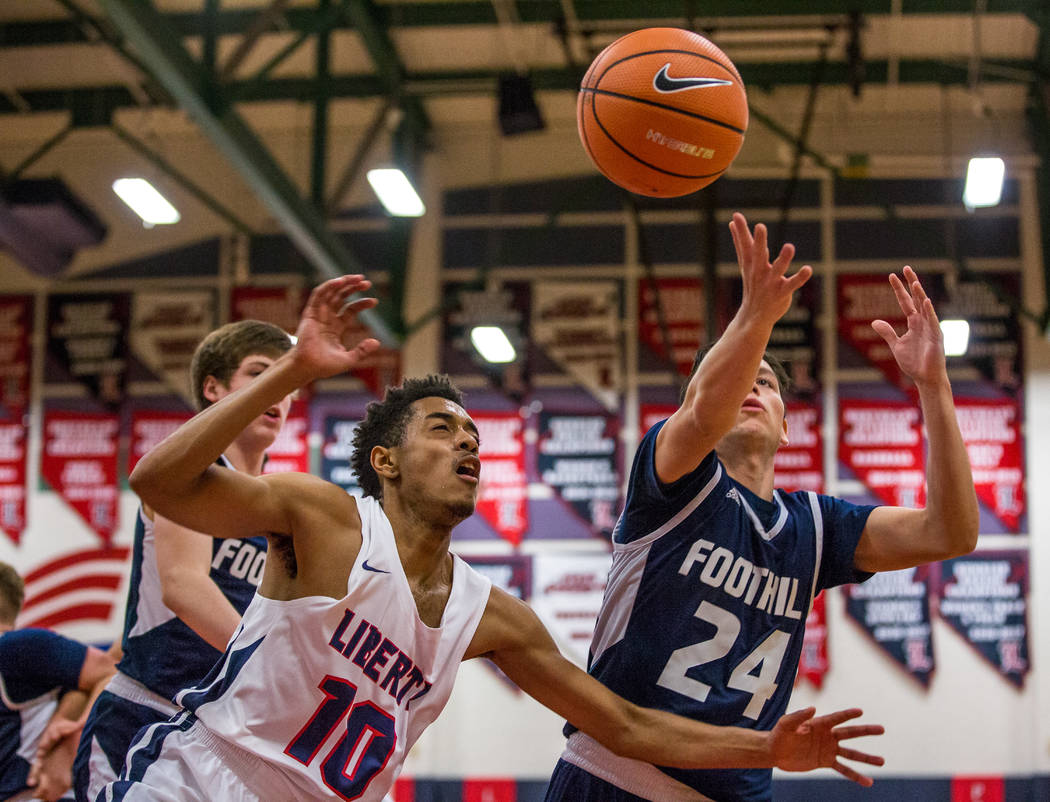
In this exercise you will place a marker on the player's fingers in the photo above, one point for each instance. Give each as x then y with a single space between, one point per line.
850 774
795 720
857 731
861 757
903 296
760 251
358 305
801 277
838 717
783 260
931 315
885 330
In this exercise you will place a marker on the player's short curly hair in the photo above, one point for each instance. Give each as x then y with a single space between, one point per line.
783 379
222 351
385 421
12 593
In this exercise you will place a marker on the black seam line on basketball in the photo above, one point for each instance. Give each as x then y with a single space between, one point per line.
640 160
732 71
694 115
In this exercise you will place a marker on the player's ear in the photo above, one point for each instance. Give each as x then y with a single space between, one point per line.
384 462
212 389
784 433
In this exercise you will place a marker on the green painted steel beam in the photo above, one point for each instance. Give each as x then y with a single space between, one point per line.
173 67
480 12
99 102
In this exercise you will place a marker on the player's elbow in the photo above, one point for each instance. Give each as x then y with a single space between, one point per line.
628 735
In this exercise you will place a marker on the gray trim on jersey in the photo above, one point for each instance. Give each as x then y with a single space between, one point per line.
755 522
625 576
150 610
818 541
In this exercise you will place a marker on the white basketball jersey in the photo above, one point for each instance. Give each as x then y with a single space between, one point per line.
334 693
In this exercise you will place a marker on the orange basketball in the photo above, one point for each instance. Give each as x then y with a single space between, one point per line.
662 112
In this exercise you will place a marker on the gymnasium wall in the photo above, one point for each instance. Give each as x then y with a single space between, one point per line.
575 274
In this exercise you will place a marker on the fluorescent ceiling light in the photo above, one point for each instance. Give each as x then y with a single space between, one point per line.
492 344
146 202
396 192
956 337
984 182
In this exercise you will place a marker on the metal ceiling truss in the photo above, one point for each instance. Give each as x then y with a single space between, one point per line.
193 88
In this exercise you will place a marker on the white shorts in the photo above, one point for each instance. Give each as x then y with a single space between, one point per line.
182 761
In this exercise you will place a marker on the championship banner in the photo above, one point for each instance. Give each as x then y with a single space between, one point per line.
813 662
991 431
335 453
652 414
567 592
800 464
995 329
502 495
278 305
88 335
893 608
984 597
80 464
682 302
166 328
577 325
577 457
881 442
506 306
862 299
13 479
290 451
16 323
148 428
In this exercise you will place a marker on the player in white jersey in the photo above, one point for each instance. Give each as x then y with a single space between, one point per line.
45 682
187 590
351 646
714 570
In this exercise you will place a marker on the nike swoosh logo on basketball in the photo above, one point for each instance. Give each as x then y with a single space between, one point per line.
368 567
665 83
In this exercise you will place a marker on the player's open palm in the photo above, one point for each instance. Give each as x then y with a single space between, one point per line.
328 325
801 742
767 287
920 350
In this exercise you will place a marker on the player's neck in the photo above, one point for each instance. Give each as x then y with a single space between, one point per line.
245 457
754 471
5 628
422 543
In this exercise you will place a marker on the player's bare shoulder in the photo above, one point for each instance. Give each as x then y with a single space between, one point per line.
507 623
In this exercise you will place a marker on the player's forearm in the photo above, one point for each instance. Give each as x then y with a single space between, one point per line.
200 604
727 373
951 500
669 740
179 460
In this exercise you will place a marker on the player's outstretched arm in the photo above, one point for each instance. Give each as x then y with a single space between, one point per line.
178 478
513 637
897 537
723 380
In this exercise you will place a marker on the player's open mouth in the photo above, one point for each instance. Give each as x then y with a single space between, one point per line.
469 469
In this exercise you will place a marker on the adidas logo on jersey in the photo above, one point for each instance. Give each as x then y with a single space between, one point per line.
732 494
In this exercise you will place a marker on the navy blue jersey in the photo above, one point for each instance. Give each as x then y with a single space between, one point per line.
36 667
160 650
707 599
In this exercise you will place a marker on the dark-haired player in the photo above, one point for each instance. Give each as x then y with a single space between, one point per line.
351 646
187 590
714 571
